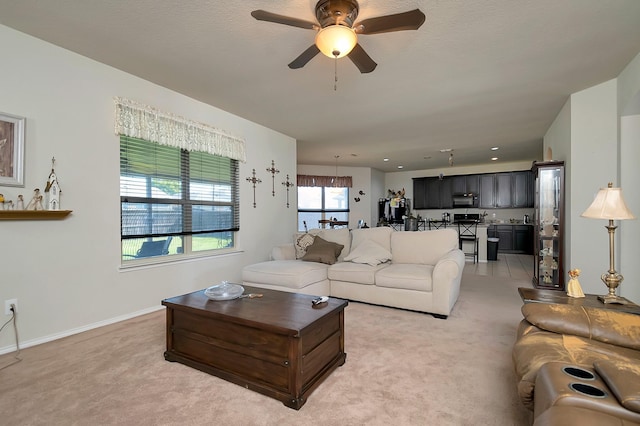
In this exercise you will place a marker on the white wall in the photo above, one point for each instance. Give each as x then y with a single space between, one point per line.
600 143
558 138
629 230
594 163
66 274
377 189
629 107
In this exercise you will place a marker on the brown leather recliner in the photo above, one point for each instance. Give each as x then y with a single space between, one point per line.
606 340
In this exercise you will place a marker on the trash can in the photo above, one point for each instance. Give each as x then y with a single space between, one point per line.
492 248
411 224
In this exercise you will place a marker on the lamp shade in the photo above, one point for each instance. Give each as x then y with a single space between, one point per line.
336 41
608 204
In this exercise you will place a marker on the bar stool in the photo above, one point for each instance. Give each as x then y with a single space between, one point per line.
468 232
437 224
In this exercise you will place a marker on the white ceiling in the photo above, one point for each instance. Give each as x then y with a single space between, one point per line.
477 74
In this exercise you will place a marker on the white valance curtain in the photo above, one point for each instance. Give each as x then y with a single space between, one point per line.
145 122
337 181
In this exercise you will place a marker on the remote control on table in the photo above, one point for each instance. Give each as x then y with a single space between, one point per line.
319 300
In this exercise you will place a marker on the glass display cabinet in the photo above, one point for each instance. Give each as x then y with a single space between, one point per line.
548 221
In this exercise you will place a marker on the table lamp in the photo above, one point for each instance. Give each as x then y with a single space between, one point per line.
610 205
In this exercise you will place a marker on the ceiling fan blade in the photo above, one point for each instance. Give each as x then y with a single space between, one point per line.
411 20
263 15
361 60
305 57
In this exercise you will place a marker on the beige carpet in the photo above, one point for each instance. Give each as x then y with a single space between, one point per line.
402 368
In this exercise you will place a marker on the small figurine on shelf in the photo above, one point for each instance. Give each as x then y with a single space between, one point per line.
547 278
20 203
573 286
36 201
52 189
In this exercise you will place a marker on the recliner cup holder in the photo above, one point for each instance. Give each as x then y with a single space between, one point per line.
588 390
578 373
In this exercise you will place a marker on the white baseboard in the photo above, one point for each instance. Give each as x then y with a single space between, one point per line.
52 337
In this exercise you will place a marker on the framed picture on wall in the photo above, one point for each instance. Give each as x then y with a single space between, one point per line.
11 150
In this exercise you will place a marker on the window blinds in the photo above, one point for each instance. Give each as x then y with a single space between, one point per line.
166 190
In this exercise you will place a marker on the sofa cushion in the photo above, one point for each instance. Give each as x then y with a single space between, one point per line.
407 276
301 241
354 272
368 252
381 235
616 328
424 247
286 273
623 378
323 251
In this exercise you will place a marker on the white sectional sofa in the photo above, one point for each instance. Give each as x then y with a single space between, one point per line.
419 271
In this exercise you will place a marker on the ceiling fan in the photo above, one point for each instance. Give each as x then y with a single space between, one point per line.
338 35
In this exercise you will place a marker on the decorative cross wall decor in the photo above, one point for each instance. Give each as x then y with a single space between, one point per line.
288 184
273 172
254 180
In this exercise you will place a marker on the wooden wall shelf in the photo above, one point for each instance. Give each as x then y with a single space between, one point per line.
33 214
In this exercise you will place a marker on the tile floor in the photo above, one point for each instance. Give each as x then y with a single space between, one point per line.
518 266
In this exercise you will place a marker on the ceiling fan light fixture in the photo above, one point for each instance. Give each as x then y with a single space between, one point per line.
336 41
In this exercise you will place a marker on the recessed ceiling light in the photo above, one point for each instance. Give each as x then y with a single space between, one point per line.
354 155
427 158
494 158
495 148
385 159
446 150
401 167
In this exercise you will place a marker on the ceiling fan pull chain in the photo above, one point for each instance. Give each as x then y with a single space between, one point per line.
335 70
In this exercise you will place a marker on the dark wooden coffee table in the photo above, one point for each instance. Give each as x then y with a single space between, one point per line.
278 345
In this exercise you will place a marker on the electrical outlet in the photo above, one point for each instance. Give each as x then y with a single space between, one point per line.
7 306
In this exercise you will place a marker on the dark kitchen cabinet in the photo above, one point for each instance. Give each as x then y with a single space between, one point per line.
487 191
503 190
494 190
419 193
472 184
465 184
506 190
513 238
505 233
459 184
432 193
523 239
522 189
446 193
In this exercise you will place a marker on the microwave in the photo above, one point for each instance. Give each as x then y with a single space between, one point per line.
463 200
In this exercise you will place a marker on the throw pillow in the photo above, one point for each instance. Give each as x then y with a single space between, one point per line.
369 252
323 251
301 242
338 236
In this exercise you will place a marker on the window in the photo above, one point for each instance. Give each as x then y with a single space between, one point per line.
175 202
321 203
